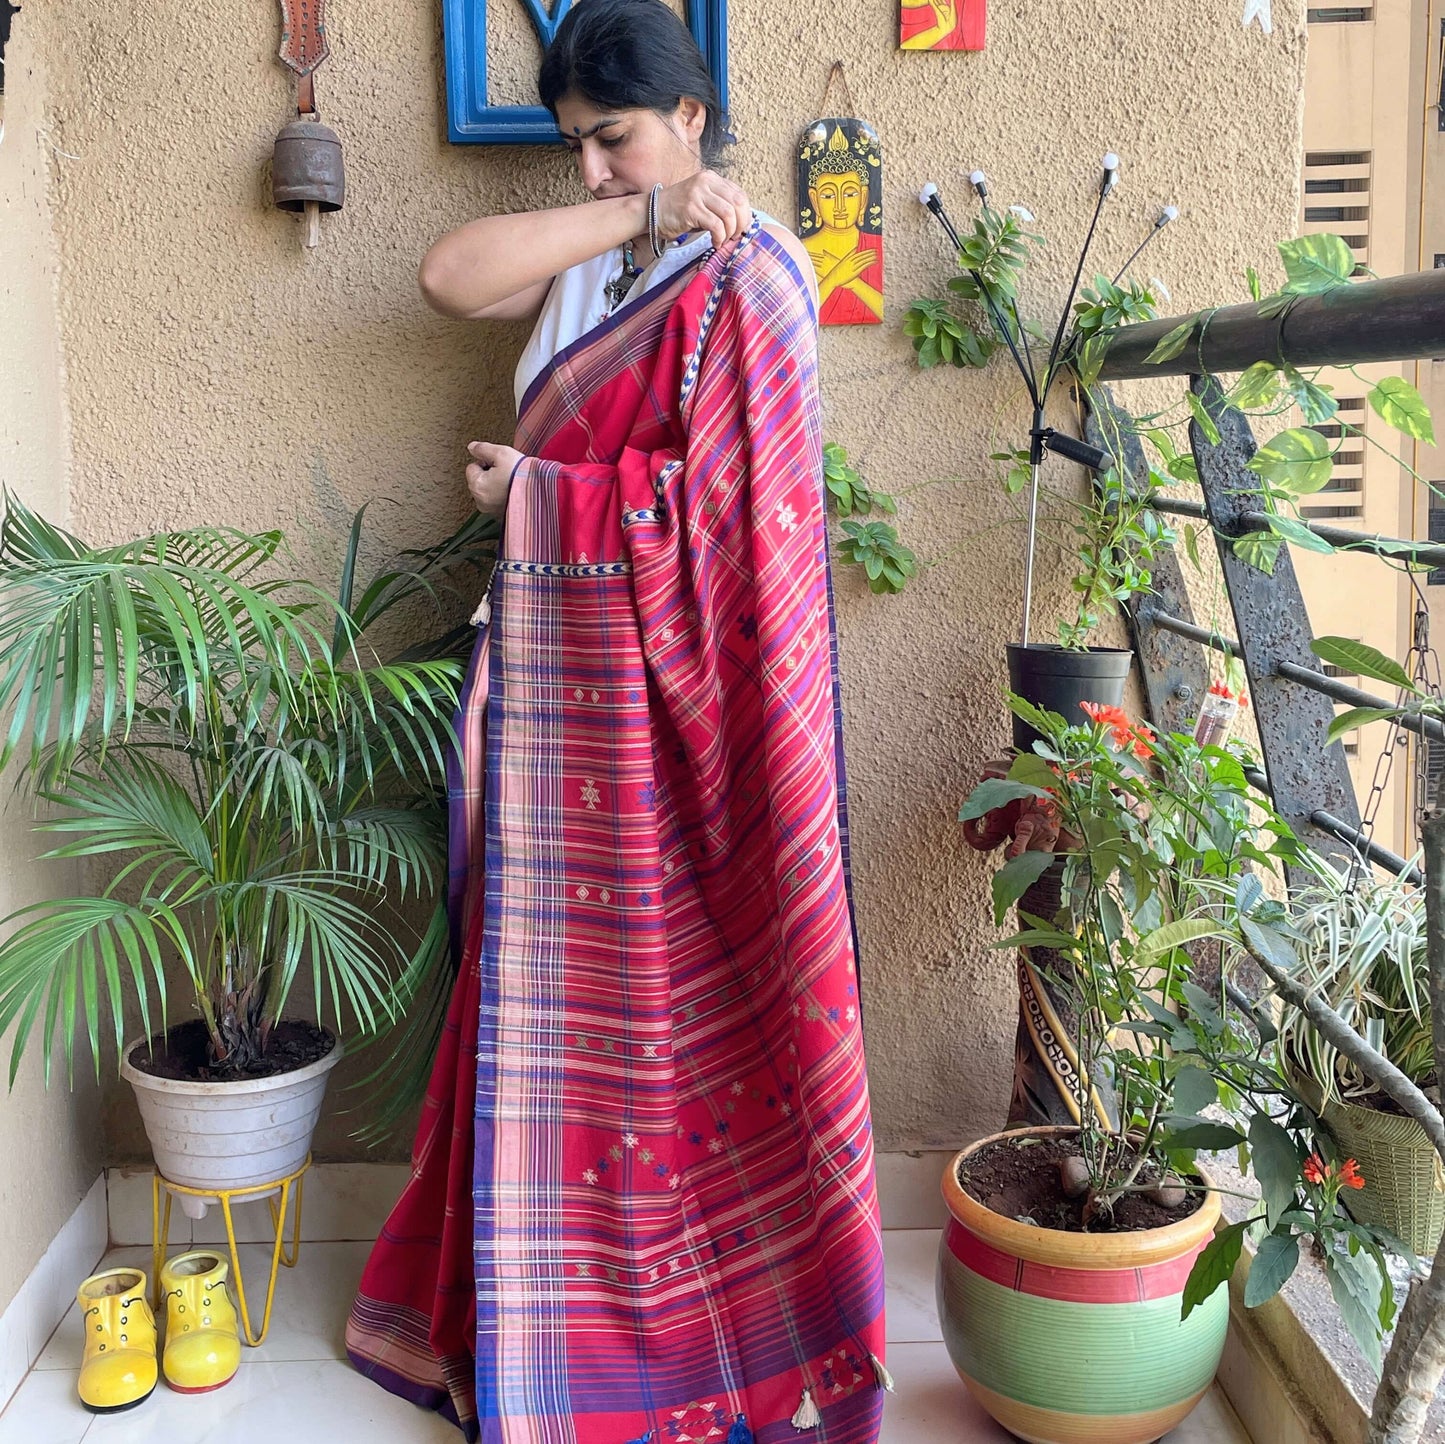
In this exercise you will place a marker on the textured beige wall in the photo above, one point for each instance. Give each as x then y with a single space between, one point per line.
217 373
49 1139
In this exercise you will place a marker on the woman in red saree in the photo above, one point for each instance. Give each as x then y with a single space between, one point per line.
642 1201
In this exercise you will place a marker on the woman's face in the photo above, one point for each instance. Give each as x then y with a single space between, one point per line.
627 152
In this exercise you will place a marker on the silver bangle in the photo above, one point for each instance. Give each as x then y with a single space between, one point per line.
653 235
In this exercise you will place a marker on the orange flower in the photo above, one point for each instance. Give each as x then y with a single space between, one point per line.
1106 716
1223 689
1350 1174
1116 719
1141 747
1315 1169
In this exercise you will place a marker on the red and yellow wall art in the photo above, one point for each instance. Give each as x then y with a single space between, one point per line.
942 24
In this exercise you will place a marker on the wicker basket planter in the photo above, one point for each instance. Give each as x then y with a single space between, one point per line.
1404 1183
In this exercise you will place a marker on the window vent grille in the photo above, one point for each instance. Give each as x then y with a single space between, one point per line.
1348 474
1435 577
1337 197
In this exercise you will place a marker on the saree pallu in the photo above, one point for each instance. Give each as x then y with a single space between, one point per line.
655 1218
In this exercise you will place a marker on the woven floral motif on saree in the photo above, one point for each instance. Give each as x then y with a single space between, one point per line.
673 1227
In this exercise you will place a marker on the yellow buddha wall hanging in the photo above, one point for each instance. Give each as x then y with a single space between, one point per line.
840 218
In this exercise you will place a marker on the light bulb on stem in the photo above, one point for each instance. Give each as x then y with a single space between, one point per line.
1166 214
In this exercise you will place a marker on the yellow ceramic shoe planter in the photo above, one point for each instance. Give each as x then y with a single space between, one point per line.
202 1349
118 1362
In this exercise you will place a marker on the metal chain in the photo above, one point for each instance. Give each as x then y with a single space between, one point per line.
1423 665
1426 676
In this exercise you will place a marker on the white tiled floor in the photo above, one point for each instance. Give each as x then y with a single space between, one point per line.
298 1389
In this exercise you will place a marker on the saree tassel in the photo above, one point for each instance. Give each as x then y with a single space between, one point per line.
645 1439
740 1433
480 618
881 1374
807 1416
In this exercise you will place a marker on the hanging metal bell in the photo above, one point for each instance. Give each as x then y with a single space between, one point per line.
307 174
306 167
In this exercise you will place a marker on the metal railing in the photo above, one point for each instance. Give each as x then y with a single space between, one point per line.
1402 318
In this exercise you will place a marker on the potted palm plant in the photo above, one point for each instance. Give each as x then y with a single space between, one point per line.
1361 944
271 786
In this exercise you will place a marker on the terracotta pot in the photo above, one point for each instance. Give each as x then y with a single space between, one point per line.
1075 1338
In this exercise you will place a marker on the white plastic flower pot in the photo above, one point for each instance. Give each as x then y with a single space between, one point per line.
230 1135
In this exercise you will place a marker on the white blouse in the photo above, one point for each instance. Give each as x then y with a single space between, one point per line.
577 300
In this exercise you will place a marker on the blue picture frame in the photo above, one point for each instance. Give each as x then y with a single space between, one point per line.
472 121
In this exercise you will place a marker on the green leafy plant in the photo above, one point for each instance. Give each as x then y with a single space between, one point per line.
1118 533
938 336
1360 659
1298 462
872 545
1145 835
268 780
848 493
1292 465
1281 938
1361 943
1104 305
1112 530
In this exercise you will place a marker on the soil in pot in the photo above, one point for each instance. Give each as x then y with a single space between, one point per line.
183 1053
1020 1178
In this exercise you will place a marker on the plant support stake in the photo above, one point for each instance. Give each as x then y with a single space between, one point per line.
1041 437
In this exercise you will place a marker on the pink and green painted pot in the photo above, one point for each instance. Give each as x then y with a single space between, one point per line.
1075 1338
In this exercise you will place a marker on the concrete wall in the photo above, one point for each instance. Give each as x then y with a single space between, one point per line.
49 1139
216 373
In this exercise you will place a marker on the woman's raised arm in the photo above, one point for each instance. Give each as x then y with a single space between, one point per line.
499 267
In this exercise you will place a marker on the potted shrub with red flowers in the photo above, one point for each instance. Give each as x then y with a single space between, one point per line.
1102 1239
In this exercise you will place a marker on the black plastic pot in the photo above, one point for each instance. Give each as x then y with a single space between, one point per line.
1058 680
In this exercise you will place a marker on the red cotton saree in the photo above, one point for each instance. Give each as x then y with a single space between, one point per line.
642 1200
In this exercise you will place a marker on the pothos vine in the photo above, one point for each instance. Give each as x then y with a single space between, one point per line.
1115 530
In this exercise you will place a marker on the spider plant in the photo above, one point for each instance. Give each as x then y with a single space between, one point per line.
267 780
1362 948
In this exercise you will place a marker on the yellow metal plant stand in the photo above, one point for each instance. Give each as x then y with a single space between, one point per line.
161 1228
